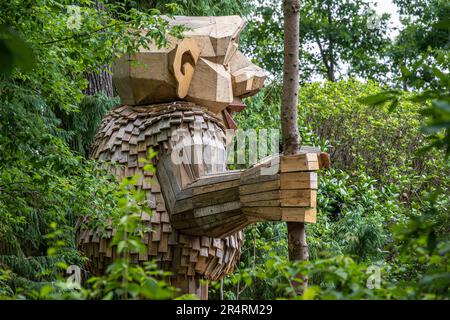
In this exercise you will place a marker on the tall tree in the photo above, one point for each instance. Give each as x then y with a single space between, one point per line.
200 7
298 247
100 80
422 41
346 37
337 38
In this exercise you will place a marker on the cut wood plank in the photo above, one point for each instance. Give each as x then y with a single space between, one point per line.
263 203
215 187
216 197
259 187
268 195
217 208
298 198
294 214
300 162
298 215
182 206
263 213
259 178
298 180
208 179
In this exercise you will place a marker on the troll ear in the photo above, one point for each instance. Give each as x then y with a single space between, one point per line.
183 65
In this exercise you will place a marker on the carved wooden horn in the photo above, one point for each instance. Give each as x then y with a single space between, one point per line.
184 62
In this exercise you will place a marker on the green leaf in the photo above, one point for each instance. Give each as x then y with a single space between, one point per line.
442 105
379 98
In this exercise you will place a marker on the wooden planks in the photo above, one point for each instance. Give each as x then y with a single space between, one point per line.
281 188
204 67
187 255
298 198
298 180
259 187
299 214
301 162
296 214
207 188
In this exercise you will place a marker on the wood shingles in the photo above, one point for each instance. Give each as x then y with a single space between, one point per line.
125 135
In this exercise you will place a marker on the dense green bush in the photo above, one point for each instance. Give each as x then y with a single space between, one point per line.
42 183
353 216
383 143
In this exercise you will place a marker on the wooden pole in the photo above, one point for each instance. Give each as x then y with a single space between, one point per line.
298 248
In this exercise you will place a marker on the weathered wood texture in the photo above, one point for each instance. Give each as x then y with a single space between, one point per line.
205 199
125 135
282 188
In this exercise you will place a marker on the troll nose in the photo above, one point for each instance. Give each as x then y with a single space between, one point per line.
248 80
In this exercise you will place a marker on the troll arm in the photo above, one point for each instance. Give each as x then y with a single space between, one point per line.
278 188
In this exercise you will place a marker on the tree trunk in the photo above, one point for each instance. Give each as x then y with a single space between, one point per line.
289 113
332 63
298 248
101 79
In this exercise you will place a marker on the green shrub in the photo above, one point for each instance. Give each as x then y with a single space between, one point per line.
382 143
42 182
353 216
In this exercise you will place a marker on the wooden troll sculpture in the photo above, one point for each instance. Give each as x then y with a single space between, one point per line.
178 100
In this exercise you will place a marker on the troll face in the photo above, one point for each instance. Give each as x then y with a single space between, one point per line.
204 67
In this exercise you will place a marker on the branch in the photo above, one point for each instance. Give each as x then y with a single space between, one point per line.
322 53
85 35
